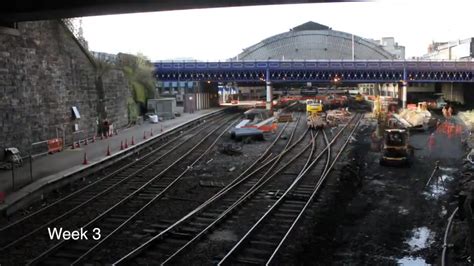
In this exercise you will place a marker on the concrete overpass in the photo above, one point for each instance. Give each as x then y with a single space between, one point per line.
28 10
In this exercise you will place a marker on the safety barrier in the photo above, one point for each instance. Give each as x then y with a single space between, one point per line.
55 145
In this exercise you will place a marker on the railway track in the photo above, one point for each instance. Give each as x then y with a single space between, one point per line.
30 234
147 223
99 174
263 242
184 242
144 196
193 226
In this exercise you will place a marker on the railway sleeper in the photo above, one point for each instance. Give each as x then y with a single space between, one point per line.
145 197
252 256
163 183
262 244
180 235
119 216
56 261
268 237
298 197
149 231
286 173
138 236
285 215
230 200
114 220
210 214
304 190
294 204
191 229
172 242
283 222
160 227
290 210
205 219
68 254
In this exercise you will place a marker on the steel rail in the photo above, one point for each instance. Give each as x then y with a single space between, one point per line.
96 196
237 181
446 234
240 201
267 152
279 201
62 242
102 241
105 177
317 187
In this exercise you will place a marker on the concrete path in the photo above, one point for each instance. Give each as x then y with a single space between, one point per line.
70 160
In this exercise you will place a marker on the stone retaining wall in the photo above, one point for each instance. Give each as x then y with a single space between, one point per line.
43 73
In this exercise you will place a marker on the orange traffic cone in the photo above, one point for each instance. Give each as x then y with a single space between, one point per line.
121 145
126 144
108 150
133 142
84 162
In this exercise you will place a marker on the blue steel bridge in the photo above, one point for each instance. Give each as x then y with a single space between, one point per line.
359 71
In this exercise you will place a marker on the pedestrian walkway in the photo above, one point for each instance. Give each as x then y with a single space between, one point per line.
55 166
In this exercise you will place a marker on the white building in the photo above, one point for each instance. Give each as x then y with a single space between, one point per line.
389 44
453 50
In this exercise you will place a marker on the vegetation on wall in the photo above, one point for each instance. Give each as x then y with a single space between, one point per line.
139 71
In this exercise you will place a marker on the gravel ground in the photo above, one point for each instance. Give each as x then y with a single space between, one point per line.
374 215
367 214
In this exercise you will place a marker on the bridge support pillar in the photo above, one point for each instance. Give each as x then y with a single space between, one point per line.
269 88
269 95
404 94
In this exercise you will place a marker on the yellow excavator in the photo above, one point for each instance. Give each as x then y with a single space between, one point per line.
396 150
316 118
313 106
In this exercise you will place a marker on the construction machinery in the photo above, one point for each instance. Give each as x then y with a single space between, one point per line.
313 106
396 150
359 97
315 116
317 120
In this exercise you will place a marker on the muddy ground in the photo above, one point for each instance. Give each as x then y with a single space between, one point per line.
375 215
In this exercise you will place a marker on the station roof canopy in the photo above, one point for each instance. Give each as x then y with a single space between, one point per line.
27 10
314 41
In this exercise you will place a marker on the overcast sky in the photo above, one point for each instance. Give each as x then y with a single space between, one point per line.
221 33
